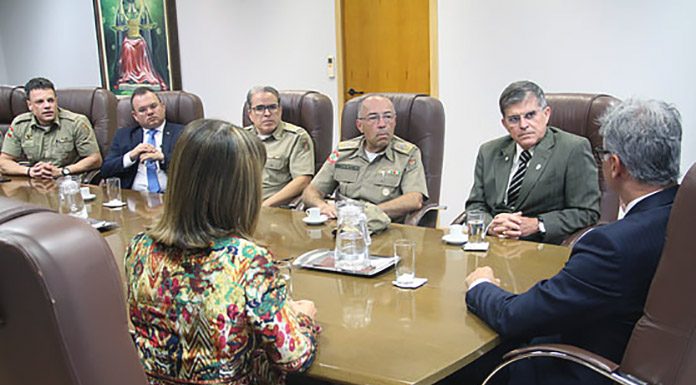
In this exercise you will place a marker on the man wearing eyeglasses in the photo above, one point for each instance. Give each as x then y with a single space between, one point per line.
376 167
537 183
140 155
289 149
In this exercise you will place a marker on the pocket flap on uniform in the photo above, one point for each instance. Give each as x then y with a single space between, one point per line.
346 173
390 179
275 163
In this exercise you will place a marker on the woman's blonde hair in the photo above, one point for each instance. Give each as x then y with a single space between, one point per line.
214 187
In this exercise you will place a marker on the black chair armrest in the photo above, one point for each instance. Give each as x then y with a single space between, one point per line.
592 361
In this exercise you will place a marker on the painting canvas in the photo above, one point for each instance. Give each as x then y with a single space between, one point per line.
138 45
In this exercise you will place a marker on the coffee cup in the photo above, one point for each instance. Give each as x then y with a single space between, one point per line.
313 213
456 231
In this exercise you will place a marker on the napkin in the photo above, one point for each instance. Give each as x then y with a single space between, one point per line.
478 246
416 283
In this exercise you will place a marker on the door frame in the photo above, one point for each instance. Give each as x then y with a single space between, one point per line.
432 26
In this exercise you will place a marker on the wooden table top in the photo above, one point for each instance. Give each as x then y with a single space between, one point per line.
373 332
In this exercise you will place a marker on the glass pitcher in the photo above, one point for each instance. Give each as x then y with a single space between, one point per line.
352 237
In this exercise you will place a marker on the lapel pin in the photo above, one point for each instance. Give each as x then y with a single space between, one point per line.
538 166
507 158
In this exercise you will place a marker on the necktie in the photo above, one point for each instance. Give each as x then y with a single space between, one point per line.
516 182
152 181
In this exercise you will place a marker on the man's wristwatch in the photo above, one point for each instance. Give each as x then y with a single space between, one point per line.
542 228
65 171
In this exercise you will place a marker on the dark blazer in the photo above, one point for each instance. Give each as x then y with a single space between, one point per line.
561 184
593 302
125 140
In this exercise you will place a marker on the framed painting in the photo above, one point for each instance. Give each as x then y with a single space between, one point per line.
138 45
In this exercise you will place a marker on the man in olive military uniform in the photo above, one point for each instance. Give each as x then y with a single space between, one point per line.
376 167
289 149
54 141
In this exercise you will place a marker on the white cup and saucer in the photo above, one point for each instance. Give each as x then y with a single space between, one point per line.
87 194
314 216
456 235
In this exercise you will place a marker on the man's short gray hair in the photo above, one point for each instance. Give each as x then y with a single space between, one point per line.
517 92
258 89
646 136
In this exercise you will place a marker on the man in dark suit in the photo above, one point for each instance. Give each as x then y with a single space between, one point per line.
596 299
538 183
140 155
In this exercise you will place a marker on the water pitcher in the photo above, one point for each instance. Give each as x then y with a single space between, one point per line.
352 237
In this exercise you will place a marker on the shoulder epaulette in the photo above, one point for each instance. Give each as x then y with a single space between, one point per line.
403 146
350 144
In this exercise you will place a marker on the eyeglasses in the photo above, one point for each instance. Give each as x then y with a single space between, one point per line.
602 153
261 108
516 119
387 117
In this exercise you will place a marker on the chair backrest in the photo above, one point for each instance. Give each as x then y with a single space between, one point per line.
182 108
662 348
310 110
62 308
579 114
420 119
97 104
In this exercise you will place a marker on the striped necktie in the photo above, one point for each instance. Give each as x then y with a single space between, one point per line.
516 182
152 181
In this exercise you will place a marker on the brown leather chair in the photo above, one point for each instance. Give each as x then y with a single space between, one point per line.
420 119
182 108
579 114
12 103
310 110
97 104
662 347
62 309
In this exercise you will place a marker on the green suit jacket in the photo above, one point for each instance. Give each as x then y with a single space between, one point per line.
560 187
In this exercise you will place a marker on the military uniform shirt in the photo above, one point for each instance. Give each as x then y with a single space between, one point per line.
289 154
69 138
399 170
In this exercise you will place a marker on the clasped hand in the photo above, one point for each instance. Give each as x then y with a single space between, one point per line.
146 151
513 225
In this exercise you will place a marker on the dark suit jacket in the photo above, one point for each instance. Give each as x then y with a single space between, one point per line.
560 186
594 301
125 140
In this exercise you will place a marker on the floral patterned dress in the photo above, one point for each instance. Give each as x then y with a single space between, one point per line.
213 316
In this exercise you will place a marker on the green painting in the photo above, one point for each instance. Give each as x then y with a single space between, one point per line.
138 44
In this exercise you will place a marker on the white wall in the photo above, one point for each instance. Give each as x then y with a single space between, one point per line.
54 39
3 67
621 47
229 46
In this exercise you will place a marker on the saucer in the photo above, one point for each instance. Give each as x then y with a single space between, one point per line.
455 240
89 197
322 218
114 204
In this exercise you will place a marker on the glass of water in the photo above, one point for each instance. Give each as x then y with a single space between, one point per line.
71 202
405 252
113 190
475 226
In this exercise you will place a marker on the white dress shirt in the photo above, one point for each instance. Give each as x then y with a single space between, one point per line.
140 182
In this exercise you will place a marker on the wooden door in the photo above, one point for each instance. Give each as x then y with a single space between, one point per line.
386 46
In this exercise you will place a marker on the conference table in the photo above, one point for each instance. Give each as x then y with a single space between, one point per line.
372 331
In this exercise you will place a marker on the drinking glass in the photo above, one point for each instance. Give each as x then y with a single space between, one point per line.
405 252
71 202
475 226
113 190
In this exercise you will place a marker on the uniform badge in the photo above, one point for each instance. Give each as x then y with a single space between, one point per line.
333 157
385 191
10 131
